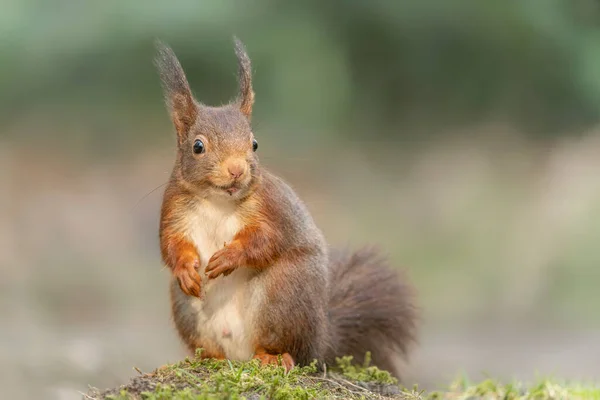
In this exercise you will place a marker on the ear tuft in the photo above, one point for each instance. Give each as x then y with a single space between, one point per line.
246 94
178 95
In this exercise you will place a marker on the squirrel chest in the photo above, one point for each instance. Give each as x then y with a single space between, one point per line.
225 313
210 226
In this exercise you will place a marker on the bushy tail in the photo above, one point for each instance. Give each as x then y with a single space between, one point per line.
371 308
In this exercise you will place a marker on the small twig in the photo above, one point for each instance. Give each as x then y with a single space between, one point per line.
345 387
87 396
352 384
341 386
345 381
139 371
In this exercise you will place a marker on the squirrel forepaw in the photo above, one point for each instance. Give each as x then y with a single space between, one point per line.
224 262
188 278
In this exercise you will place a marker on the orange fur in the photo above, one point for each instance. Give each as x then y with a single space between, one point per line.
178 252
274 359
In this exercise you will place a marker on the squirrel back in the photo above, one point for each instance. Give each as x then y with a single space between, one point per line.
252 276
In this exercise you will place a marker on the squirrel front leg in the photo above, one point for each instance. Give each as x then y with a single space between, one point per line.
183 259
255 246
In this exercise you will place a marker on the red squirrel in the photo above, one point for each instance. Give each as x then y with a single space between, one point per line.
252 275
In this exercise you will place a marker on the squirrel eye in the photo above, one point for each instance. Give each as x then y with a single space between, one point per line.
254 145
198 147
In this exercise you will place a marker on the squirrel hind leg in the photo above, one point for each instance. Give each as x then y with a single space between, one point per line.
294 320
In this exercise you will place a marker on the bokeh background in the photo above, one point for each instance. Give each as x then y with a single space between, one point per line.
462 137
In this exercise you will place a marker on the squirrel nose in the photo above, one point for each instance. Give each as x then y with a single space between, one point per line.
236 170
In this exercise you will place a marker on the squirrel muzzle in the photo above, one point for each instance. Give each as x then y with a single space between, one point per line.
232 175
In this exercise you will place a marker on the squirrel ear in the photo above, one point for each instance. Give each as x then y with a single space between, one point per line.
178 95
246 95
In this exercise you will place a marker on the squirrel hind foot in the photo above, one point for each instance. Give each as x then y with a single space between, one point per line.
273 359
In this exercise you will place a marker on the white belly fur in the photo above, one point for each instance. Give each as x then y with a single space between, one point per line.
228 304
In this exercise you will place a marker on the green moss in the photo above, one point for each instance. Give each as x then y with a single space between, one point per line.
198 379
227 379
493 390
121 396
365 372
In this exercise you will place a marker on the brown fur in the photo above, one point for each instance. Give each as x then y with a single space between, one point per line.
371 308
301 316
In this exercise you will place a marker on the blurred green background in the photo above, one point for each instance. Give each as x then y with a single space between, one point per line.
462 137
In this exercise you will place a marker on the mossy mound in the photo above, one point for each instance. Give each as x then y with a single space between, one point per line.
198 379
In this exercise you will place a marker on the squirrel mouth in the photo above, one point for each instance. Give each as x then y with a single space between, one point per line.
231 189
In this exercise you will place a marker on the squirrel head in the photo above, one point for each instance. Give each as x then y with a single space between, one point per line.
216 146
